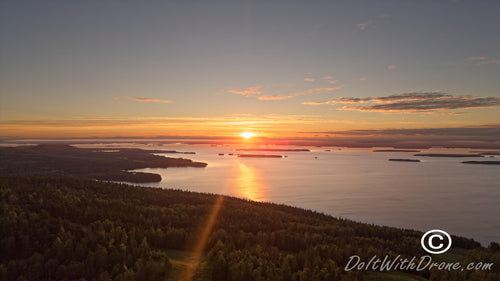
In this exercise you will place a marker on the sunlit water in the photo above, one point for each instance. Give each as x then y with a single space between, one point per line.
358 184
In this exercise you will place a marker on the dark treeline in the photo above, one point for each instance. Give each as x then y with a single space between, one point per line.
57 228
62 159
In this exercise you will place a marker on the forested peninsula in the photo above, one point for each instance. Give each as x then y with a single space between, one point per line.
102 164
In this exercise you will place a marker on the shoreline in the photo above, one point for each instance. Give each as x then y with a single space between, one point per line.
392 145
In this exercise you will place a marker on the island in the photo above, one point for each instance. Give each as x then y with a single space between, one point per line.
487 152
102 164
404 160
482 162
447 155
396 150
274 149
260 155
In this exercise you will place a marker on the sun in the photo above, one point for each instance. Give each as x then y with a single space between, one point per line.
247 135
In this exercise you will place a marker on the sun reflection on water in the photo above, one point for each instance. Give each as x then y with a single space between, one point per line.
248 183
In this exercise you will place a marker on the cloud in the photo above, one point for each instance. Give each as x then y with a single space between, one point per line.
486 130
362 79
477 58
342 100
264 94
247 91
488 62
278 97
310 79
315 102
295 94
482 60
483 133
364 25
411 96
151 100
413 102
371 22
392 66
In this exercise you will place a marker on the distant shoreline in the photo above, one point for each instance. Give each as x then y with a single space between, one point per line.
393 145
448 155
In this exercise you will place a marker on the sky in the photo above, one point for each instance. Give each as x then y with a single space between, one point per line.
279 69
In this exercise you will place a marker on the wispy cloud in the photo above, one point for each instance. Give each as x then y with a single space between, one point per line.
477 58
278 97
413 102
364 25
482 60
488 62
151 100
342 100
295 94
392 66
362 79
266 94
256 90
312 79
369 23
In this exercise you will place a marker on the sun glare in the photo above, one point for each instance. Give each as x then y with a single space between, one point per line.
247 135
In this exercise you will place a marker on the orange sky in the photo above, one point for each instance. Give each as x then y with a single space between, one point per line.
271 127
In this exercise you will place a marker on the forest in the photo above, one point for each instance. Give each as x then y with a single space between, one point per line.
63 228
103 164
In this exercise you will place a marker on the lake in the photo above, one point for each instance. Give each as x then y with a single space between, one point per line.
358 184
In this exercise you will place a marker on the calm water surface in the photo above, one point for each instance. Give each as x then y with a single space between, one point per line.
358 184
